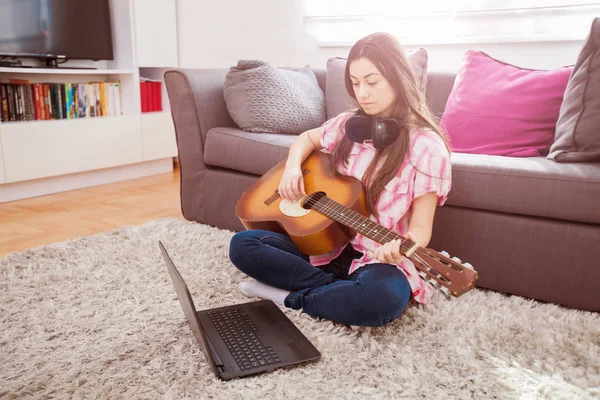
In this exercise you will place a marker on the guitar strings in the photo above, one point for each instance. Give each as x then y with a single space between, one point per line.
372 226
336 208
333 206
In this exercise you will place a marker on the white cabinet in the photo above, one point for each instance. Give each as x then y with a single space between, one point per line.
156 33
34 150
158 136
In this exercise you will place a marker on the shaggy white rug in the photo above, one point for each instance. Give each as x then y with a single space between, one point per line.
97 317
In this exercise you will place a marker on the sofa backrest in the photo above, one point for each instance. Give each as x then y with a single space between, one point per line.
197 102
321 74
439 86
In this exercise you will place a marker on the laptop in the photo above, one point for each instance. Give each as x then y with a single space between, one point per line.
242 339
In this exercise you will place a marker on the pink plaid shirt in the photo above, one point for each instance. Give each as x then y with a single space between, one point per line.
429 156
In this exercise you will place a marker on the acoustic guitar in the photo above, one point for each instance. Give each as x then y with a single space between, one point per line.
331 213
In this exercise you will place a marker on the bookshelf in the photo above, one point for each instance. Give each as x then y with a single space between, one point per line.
49 72
50 156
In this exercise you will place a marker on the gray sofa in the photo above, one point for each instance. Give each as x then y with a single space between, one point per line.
530 226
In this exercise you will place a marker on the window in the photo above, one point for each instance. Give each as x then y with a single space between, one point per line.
420 22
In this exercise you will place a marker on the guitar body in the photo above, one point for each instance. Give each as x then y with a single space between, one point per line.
261 207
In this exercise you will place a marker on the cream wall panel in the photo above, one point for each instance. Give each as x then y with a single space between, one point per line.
156 33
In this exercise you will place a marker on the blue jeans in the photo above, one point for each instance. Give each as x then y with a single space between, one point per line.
371 296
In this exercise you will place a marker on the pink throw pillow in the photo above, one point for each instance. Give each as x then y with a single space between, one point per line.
499 109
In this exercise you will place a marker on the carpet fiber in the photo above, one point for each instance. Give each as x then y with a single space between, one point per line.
97 317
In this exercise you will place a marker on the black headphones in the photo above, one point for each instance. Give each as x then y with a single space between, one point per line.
383 131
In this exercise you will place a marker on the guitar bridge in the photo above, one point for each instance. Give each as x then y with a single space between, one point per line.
275 194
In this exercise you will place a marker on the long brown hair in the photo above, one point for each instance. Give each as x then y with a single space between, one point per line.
410 109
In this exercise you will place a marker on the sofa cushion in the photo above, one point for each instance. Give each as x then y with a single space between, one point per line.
262 98
337 99
254 153
500 109
532 186
577 136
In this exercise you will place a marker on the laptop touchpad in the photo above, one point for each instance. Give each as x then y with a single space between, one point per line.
275 331
266 315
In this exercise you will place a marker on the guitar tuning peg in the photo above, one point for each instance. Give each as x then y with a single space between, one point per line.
445 253
445 292
468 265
433 283
456 259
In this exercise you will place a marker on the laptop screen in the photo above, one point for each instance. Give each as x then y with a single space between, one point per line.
183 294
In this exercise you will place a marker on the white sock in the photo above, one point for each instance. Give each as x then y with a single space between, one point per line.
258 289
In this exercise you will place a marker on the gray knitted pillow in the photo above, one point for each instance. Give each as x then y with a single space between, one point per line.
262 98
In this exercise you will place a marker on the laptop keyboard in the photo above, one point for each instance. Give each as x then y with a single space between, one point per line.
237 330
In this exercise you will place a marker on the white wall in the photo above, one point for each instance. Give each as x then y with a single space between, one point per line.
215 34
448 58
219 33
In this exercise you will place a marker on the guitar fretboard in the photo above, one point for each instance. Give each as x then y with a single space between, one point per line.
358 222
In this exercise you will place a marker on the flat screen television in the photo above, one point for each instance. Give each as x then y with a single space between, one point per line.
56 29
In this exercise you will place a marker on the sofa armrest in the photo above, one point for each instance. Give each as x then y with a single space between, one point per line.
197 105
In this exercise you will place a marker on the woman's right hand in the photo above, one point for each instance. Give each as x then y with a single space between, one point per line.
291 186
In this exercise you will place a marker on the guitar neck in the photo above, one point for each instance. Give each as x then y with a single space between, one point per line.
359 223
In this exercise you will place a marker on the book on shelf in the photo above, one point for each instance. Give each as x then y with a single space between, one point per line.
150 95
21 100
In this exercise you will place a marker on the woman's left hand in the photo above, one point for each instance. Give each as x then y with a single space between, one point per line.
389 253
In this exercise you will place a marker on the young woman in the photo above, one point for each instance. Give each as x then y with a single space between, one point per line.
362 283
